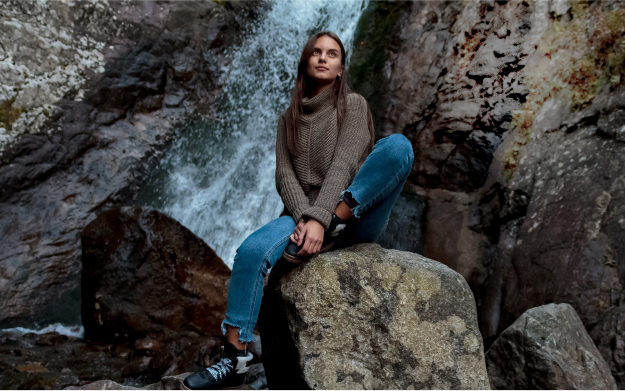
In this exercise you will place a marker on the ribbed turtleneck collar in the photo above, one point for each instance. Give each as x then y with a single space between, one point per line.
318 102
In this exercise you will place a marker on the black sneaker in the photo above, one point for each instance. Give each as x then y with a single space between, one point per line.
331 242
227 374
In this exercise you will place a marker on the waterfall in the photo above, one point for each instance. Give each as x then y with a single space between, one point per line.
218 177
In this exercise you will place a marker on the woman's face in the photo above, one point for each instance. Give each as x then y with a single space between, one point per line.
325 63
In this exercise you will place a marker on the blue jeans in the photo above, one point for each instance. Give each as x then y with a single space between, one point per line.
375 188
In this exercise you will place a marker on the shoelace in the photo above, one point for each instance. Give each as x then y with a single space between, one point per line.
220 369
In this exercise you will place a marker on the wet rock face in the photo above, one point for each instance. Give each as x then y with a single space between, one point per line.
405 226
157 66
547 348
42 61
567 246
454 102
376 42
365 317
148 58
144 274
609 336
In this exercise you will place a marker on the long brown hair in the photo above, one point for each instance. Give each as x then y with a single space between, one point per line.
303 87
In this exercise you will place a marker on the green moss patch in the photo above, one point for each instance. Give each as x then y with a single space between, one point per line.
8 113
376 30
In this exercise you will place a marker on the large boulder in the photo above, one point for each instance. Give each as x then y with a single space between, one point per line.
368 318
144 274
547 348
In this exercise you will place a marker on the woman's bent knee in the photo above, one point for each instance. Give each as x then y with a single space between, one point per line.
399 150
402 145
250 254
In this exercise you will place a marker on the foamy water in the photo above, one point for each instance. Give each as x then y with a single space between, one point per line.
70 331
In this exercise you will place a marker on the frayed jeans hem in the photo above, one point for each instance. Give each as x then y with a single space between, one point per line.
233 324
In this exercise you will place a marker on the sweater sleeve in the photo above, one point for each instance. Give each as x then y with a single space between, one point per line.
287 184
352 141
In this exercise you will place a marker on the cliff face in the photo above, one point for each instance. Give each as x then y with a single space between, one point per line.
90 94
515 113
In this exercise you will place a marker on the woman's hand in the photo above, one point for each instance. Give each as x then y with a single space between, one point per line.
296 235
312 235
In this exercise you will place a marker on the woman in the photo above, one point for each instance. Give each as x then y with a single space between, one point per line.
334 182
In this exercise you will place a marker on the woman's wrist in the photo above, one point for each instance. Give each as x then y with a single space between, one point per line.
311 219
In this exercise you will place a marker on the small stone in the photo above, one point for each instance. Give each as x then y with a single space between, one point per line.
51 339
148 344
35 367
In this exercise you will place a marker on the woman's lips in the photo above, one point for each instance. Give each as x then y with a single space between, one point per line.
321 69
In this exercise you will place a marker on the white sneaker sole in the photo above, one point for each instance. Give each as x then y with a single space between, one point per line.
225 388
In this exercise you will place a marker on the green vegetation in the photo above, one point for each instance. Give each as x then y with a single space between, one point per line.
575 58
376 30
8 113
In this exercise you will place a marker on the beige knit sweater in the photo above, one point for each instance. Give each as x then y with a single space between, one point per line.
311 184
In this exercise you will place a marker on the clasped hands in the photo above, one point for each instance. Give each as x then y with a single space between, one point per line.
311 234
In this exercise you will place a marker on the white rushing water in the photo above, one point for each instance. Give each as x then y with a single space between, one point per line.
218 179
72 331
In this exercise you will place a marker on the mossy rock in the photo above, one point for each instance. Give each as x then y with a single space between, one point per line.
364 317
376 35
9 114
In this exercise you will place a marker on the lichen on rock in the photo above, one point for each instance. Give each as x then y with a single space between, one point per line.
366 317
44 56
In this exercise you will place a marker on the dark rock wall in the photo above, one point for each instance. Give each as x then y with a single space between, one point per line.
514 109
441 74
162 62
376 43
405 225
